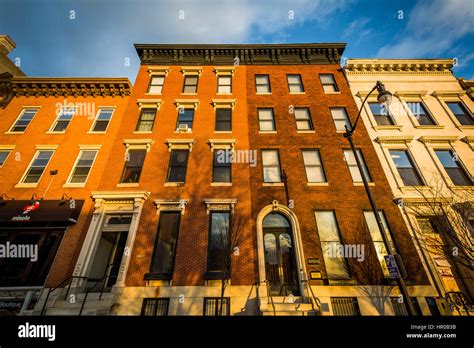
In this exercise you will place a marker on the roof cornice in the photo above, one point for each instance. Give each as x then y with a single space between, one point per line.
57 86
240 54
399 66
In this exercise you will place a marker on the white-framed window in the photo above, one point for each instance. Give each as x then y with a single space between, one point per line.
224 84
295 84
63 119
102 120
303 119
266 120
156 84
262 84
329 236
190 84
340 118
353 168
82 167
146 120
313 165
271 166
23 120
328 82
37 167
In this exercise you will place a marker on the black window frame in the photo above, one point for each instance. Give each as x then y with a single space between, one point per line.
380 116
268 85
225 166
222 273
294 84
321 165
168 274
98 121
164 301
140 120
16 127
459 166
467 113
125 167
279 166
413 168
170 166
309 120
223 122
182 113
273 120
153 85
334 84
190 85
424 114
337 305
3 160
218 300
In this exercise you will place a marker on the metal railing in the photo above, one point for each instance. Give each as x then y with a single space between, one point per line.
459 301
104 280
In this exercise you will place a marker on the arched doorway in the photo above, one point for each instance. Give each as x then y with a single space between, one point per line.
279 253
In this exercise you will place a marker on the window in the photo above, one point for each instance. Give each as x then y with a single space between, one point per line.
64 118
329 85
133 166
83 166
303 119
451 164
262 83
406 168
165 244
400 308
341 120
224 84
24 120
381 115
421 114
156 84
178 165
37 167
222 167
3 156
223 119
271 166
377 239
266 120
214 306
463 116
345 306
185 118
146 120
295 85
218 256
102 120
353 168
155 306
190 84
313 166
336 264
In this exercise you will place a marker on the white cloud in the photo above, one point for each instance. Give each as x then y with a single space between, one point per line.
433 27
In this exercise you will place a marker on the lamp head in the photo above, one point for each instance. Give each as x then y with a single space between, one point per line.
384 97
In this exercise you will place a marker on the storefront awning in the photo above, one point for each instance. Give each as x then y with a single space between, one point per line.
23 213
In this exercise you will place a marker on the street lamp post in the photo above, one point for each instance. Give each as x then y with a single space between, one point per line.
384 98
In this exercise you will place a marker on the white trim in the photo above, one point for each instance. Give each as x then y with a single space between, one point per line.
191 70
149 104
180 144
38 149
81 151
220 204
170 205
56 120
24 108
186 103
223 103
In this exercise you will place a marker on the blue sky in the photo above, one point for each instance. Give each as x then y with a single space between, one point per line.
95 38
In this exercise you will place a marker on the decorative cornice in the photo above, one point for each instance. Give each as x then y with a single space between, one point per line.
468 85
229 103
240 54
59 86
409 94
396 139
6 90
404 66
220 204
220 144
180 144
171 204
437 139
448 93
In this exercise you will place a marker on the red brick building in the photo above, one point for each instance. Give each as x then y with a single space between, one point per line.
229 186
